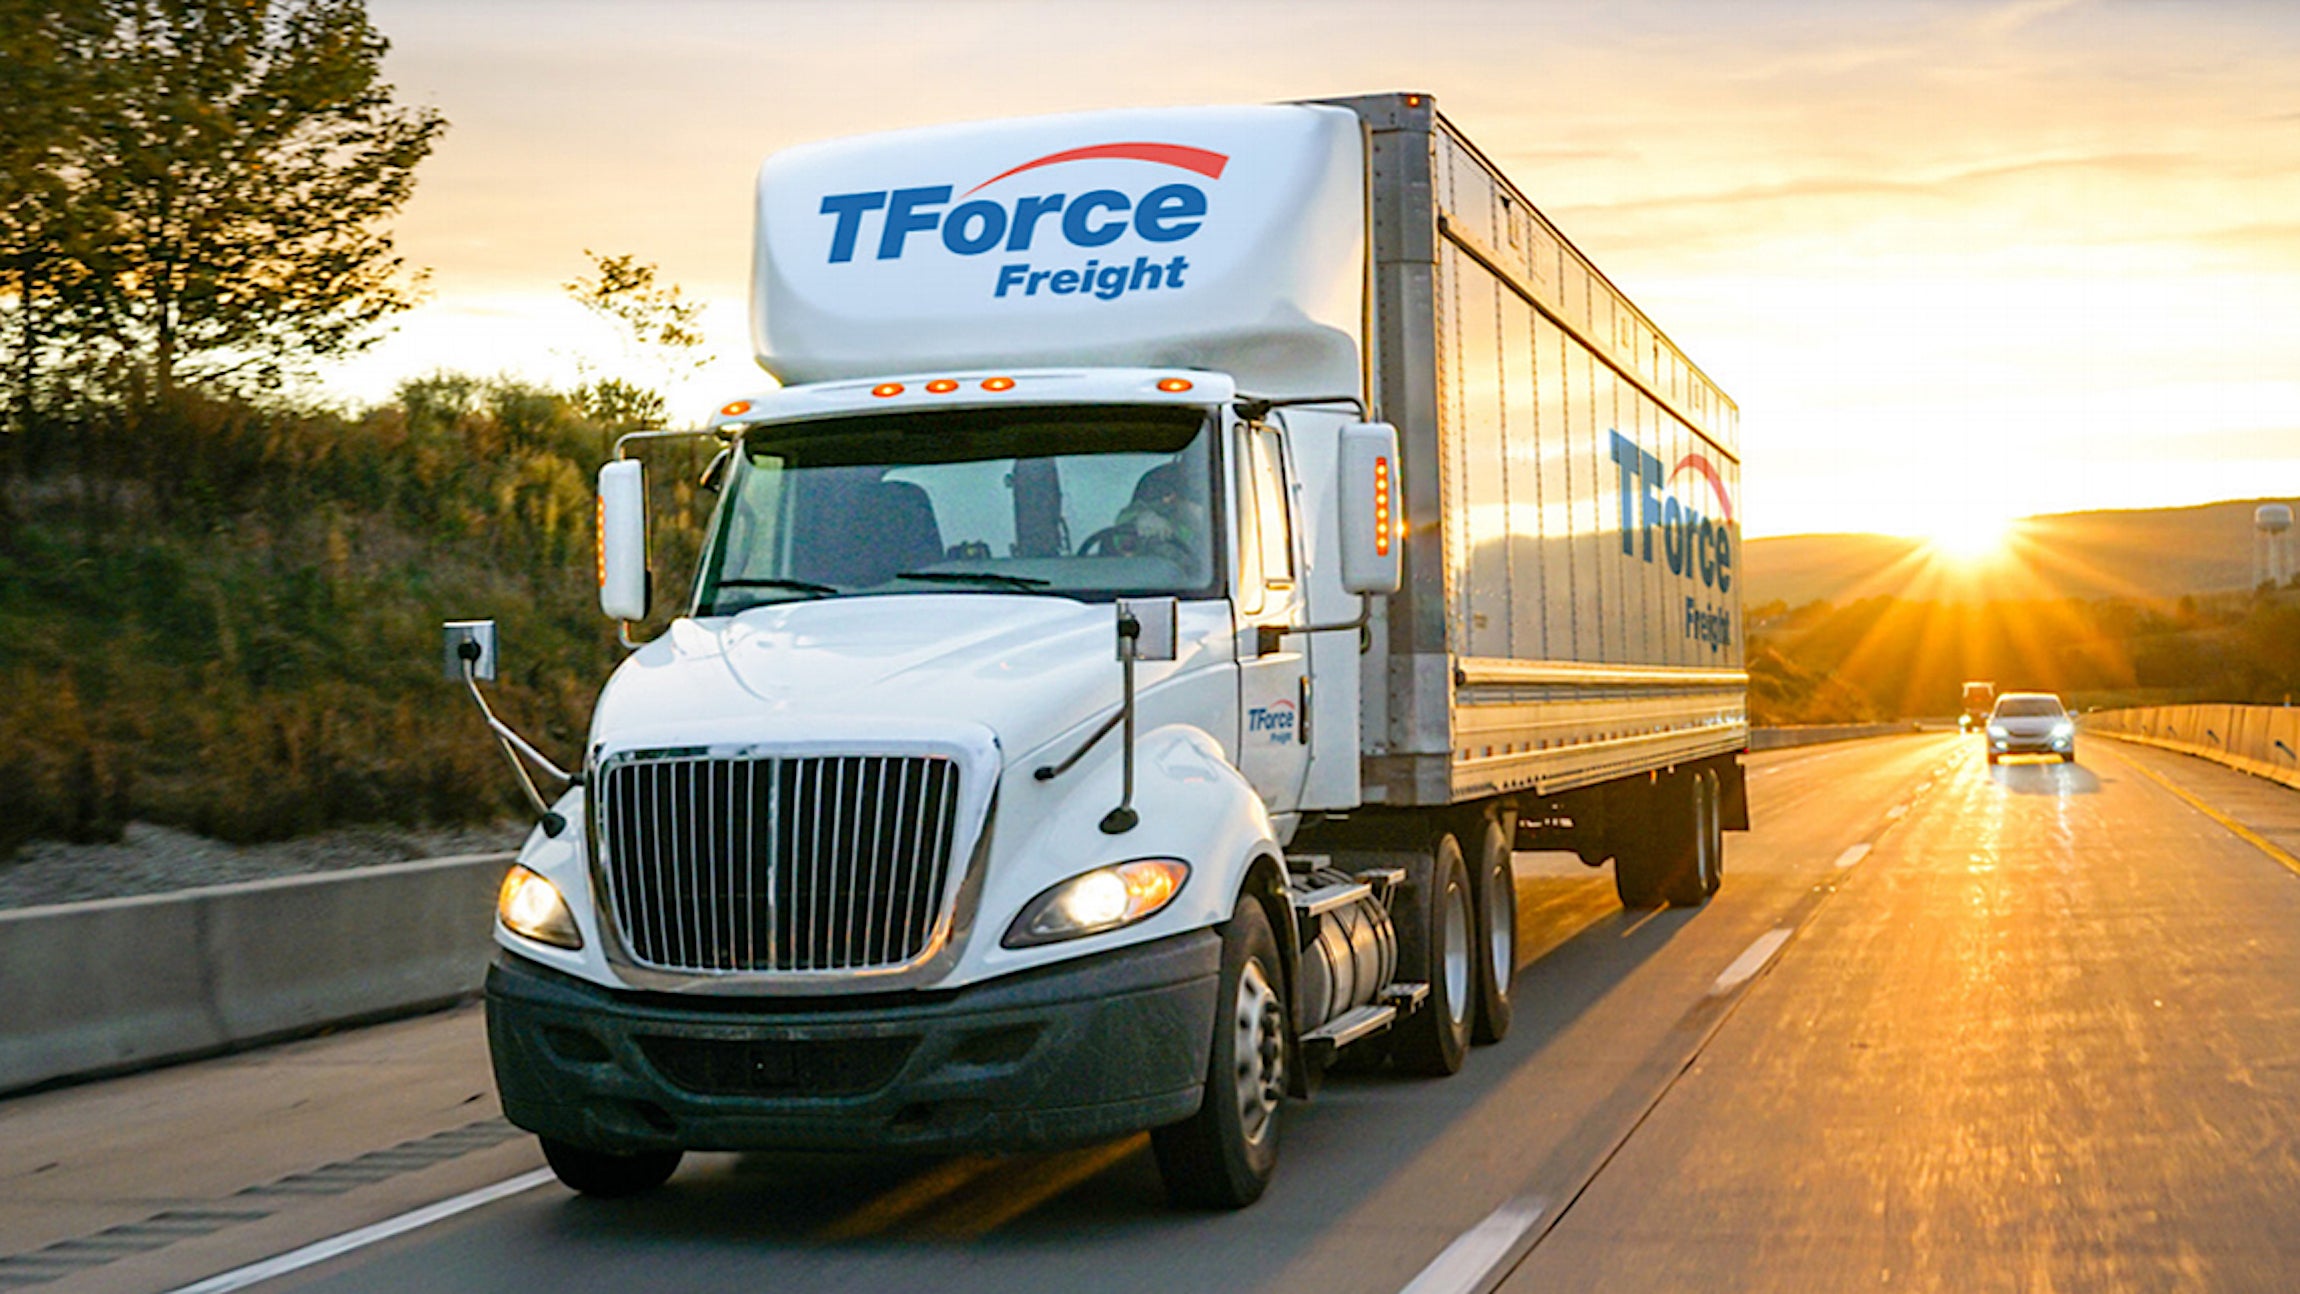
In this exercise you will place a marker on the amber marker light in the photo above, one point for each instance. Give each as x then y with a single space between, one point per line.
885 389
735 409
998 384
599 543
941 386
1173 385
1382 507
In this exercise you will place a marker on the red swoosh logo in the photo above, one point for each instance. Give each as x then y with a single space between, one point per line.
1202 161
1716 482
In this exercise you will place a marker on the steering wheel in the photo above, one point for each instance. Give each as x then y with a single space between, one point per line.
1116 541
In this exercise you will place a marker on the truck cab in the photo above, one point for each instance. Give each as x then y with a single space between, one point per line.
1095 710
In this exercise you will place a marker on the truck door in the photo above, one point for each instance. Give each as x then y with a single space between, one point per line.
1273 687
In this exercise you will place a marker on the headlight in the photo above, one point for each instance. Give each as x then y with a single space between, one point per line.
1997 730
1103 899
531 906
2064 729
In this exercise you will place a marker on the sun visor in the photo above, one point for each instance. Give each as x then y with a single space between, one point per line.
1221 238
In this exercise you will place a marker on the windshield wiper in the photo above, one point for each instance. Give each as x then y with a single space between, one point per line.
807 587
976 577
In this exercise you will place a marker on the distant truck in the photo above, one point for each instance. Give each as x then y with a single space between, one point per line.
1190 550
1980 698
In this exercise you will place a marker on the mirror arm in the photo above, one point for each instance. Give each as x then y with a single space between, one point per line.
514 746
1121 820
1048 772
1267 637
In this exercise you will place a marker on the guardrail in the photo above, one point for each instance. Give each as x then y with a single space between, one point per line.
119 984
2263 740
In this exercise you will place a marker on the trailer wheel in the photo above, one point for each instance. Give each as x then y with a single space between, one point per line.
1641 851
1497 936
606 1175
1703 868
1437 942
1224 1155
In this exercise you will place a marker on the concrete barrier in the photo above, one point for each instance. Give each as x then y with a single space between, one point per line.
2263 740
88 989
1814 735
119 984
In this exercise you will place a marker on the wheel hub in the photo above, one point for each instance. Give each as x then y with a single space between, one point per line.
1261 1053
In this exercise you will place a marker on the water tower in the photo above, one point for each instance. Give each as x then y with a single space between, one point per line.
2272 545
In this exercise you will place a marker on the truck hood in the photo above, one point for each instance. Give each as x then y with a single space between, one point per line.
1028 668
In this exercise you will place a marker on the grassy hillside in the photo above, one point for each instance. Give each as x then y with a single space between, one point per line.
226 618
2155 554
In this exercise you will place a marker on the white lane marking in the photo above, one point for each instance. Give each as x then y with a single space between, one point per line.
321 1250
1473 1255
1751 960
1897 811
1853 855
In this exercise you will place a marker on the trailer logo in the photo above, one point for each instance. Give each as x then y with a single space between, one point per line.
1275 721
1692 545
1097 218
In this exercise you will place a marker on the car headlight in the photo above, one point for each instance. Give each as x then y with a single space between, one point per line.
2064 729
531 906
1997 730
1103 899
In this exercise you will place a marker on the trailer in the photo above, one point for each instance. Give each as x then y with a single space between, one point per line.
1187 553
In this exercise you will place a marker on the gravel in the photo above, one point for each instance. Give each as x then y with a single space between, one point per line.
156 860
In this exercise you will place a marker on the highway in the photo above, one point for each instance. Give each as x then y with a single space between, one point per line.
1946 1027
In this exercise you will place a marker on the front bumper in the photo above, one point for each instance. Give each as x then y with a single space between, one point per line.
2044 744
1073 1053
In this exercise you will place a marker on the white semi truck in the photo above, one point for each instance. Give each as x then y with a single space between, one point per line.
1187 552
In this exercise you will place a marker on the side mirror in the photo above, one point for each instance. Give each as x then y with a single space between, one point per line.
1150 625
1372 519
623 540
470 641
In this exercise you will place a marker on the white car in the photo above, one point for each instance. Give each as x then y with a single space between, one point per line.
2031 723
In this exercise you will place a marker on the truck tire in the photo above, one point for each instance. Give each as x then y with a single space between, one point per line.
1437 942
1224 1155
606 1175
1704 867
1673 853
1640 854
1496 893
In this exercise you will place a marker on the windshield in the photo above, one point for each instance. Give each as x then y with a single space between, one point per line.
1089 502
2028 707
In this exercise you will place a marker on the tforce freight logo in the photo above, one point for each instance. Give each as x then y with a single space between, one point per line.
1046 224
1273 722
1693 545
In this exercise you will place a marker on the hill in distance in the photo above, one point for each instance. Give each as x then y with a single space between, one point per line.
2152 554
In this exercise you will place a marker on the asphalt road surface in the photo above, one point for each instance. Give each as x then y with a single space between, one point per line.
1947 1027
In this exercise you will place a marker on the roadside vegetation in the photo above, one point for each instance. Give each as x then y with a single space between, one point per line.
224 615
1889 658
219 601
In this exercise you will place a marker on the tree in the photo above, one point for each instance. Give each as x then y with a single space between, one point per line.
658 324
46 46
241 161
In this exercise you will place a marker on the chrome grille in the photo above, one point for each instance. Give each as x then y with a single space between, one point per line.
820 863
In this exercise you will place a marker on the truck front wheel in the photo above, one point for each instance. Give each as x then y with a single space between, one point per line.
609 1176
1224 1155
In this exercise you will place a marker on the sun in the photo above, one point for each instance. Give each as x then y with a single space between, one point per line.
1967 536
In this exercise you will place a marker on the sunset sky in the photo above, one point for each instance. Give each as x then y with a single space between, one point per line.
1956 261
